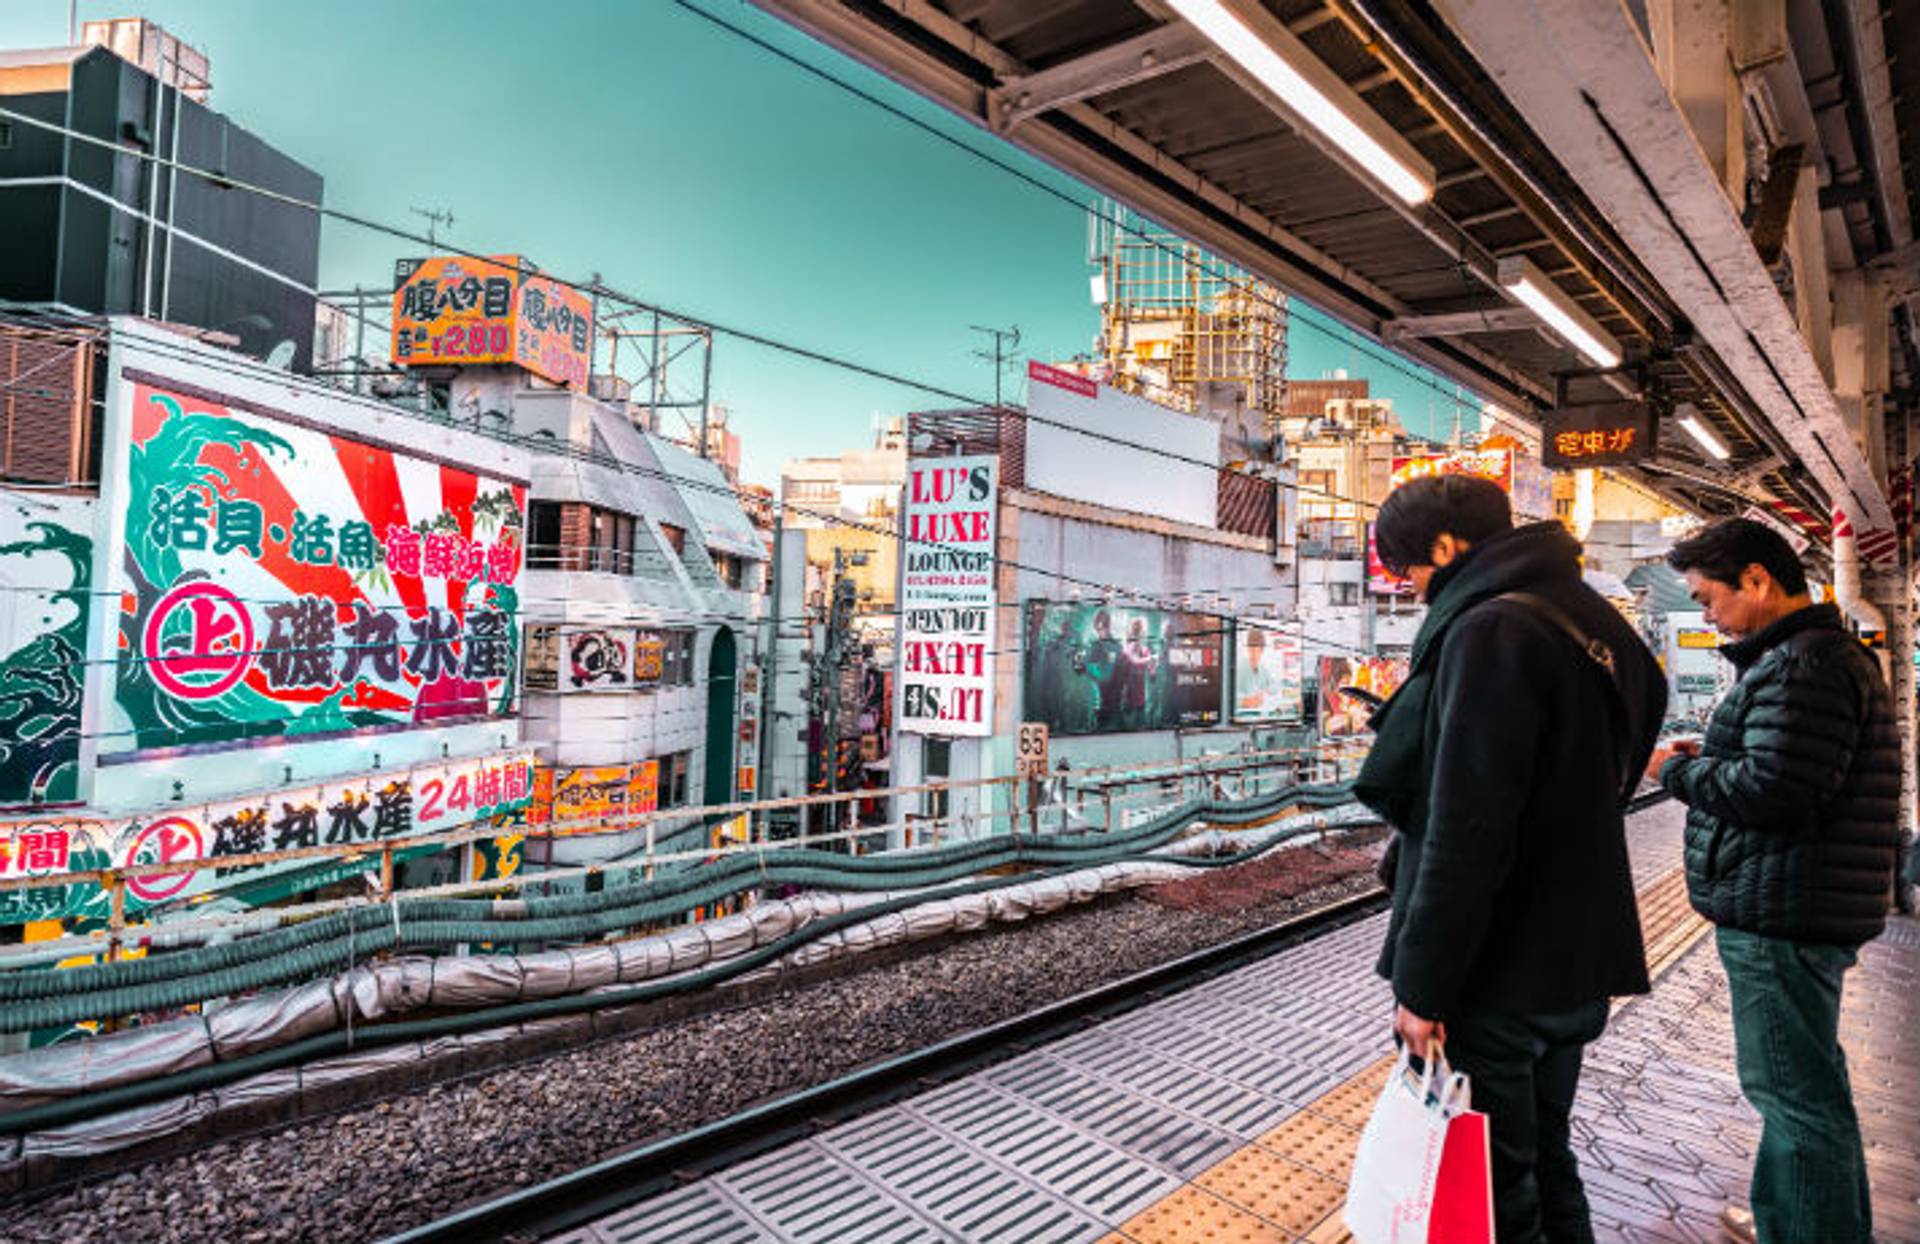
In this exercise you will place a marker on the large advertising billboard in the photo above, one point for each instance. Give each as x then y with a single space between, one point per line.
1090 442
370 810
1268 672
451 309
1096 668
285 581
947 596
1520 475
1344 715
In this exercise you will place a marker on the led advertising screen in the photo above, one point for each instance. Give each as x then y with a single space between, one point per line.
1098 668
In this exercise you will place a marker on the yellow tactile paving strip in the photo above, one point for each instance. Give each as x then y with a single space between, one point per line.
1288 1185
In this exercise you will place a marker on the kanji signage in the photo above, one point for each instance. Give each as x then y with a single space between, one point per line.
455 310
1596 435
347 812
281 580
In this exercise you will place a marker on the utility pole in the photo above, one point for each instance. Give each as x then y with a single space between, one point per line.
435 216
833 662
1005 342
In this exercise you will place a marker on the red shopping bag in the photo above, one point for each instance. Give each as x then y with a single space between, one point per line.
1463 1189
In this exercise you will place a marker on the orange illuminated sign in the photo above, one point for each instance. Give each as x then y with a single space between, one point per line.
453 310
1597 434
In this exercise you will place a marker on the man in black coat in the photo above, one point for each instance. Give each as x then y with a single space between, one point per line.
1793 821
1502 761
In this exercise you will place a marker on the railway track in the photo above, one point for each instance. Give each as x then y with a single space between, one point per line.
558 1205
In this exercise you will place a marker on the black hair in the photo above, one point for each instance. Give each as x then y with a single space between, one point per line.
1723 551
1420 511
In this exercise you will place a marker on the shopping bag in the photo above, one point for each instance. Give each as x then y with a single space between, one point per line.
1398 1167
1463 1187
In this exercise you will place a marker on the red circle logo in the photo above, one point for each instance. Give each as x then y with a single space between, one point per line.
165 841
199 641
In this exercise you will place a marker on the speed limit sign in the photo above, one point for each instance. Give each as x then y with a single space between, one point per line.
1030 750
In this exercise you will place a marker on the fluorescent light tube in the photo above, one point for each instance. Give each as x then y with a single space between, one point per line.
1284 65
1707 440
1562 314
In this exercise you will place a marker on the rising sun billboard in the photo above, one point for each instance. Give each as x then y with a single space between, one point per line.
282 580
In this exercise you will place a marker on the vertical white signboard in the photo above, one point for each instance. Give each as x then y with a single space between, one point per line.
947 596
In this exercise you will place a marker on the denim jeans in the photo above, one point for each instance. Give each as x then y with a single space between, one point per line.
1525 1070
1810 1176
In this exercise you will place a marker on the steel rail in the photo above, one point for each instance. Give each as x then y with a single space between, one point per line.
605 1187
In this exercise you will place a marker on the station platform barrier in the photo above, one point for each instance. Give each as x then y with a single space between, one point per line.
1230 1112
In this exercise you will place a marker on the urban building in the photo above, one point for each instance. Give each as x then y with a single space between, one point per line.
90 228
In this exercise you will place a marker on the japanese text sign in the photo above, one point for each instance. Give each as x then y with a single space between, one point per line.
457 310
1596 435
279 580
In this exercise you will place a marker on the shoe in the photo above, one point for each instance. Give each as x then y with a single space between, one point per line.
1738 1224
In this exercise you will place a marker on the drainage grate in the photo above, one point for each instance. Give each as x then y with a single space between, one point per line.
805 1195
693 1215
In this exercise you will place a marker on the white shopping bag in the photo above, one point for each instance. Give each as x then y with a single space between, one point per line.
1396 1171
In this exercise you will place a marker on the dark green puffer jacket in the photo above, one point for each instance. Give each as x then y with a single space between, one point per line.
1794 802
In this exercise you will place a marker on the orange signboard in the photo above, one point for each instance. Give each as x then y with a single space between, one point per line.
451 309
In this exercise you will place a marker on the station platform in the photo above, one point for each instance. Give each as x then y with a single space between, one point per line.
1230 1112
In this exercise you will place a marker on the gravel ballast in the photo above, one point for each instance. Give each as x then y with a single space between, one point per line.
382 1168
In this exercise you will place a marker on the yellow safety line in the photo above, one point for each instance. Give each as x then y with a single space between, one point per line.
1290 1183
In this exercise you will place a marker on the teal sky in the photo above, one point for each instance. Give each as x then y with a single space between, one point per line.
686 166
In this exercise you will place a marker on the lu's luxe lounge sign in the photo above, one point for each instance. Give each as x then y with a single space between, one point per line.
947 596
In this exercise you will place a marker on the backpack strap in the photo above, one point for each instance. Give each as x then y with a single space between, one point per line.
1601 654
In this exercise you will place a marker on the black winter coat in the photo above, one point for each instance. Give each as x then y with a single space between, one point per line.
1794 802
1512 891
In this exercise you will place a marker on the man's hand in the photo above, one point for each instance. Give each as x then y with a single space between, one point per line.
1667 751
1416 1032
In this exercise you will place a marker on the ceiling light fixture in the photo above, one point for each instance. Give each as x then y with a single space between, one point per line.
1253 39
1707 440
1539 294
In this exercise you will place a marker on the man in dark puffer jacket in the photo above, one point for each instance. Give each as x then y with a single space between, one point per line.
1792 824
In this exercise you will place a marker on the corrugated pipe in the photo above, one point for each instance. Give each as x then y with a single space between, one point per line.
197 1079
41 999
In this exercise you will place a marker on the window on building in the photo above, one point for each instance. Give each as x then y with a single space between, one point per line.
543 535
612 537
676 536
731 569
673 779
1343 593
676 666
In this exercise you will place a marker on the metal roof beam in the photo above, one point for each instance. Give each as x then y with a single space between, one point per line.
1453 324
1139 59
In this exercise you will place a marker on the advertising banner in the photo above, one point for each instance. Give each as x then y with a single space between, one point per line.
1268 672
1380 580
947 596
594 792
649 659
1105 669
454 310
1344 716
598 658
369 809
541 660
1091 442
46 569
1493 464
281 581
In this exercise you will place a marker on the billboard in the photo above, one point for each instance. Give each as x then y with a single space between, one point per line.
1106 669
597 658
1380 580
1344 716
371 809
282 580
46 570
1520 475
451 309
947 597
1090 442
1268 670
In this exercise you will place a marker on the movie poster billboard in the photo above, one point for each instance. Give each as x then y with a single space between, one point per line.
1268 672
453 310
947 596
281 580
1347 716
1094 668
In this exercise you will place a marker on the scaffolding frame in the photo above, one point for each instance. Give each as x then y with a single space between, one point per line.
1176 321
